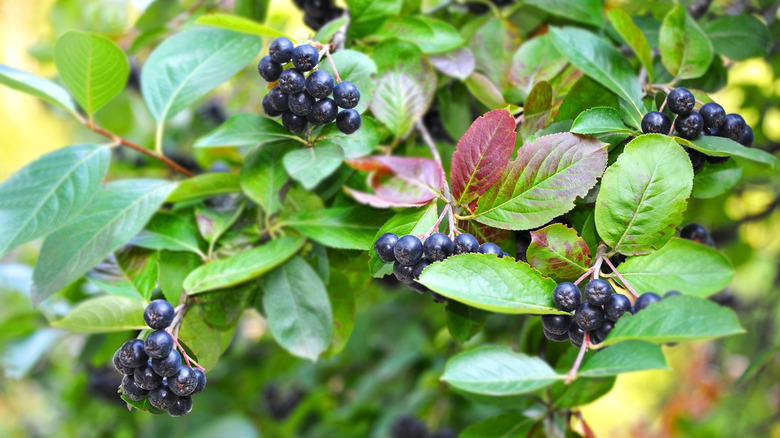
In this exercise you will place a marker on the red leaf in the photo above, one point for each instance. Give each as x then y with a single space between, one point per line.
482 155
558 251
398 181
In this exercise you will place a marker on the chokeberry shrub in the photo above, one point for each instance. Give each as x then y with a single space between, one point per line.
274 207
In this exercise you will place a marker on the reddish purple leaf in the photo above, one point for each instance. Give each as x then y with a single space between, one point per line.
482 154
398 181
558 251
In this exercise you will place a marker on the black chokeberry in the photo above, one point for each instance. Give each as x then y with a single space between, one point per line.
656 122
181 407
689 126
162 397
713 115
146 378
158 344
348 121
566 297
696 157
281 50
301 103
557 338
465 243
408 250
733 127
268 69
695 232
576 334
681 101
556 324
293 122
437 247
598 291
418 268
746 139
384 247
616 306
119 365
133 391
292 81
183 382
201 380
597 336
645 300
346 94
437 298
159 314
167 366
323 112
132 354
278 98
316 8
404 273
672 293
616 260
589 316
419 288
305 57
320 84
491 248
268 108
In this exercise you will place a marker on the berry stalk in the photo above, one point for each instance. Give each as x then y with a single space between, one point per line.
574 368
620 277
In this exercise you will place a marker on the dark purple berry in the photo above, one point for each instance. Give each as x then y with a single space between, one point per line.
201 380
695 232
269 109
672 293
146 378
656 122
713 115
576 334
281 50
681 101
408 250
437 247
733 127
645 300
598 291
132 354
119 366
384 247
305 57
597 336
696 157
183 382
348 121
465 243
162 397
566 297
269 69
301 103
491 248
169 365
689 126
158 344
320 84
133 391
418 268
292 81
346 94
417 287
181 407
556 324
293 122
159 314
278 98
746 139
404 273
557 338
589 316
323 112
616 306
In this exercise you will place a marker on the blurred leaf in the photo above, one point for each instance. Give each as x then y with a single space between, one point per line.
113 217
715 179
583 11
562 166
202 339
643 195
685 50
739 37
487 282
93 68
367 15
356 145
600 120
246 130
242 267
239 24
174 267
38 87
722 147
580 392
756 364
22 355
38 200
535 61
309 166
190 64
463 322
557 251
625 357
398 181
429 34
682 265
171 232
481 155
342 302
344 227
536 109
585 94
330 28
676 319
485 91
504 426
213 222
400 99
493 44
205 186
108 313
634 37
130 272
458 63
359 69
263 176
408 221
298 310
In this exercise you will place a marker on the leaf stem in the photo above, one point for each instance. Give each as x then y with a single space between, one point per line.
435 226
574 368
158 139
620 277
445 189
584 276
173 330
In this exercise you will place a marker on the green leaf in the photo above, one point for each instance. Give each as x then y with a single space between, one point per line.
676 319
309 166
246 130
504 426
330 28
682 265
356 145
583 11
601 61
205 186
739 37
498 372
485 91
38 87
643 195
298 310
344 227
201 339
241 267
367 15
715 179
542 182
409 221
108 313
169 231
458 63
634 37
580 392
143 405
49 192
129 272
401 99
685 50
626 357
487 282
174 267
112 218
722 147
600 120
535 61
214 221
239 24
93 68
429 34
536 109
558 251
190 64
463 322
585 94
342 302
263 176
359 69
494 44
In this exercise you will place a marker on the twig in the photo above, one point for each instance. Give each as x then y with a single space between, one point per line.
672 128
574 368
445 190
435 226
584 276
585 427
597 267
620 277
519 119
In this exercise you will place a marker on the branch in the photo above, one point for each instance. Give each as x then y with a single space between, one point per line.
445 190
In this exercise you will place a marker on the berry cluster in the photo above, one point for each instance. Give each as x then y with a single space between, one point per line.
711 119
410 256
597 314
302 99
152 368
407 426
318 12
